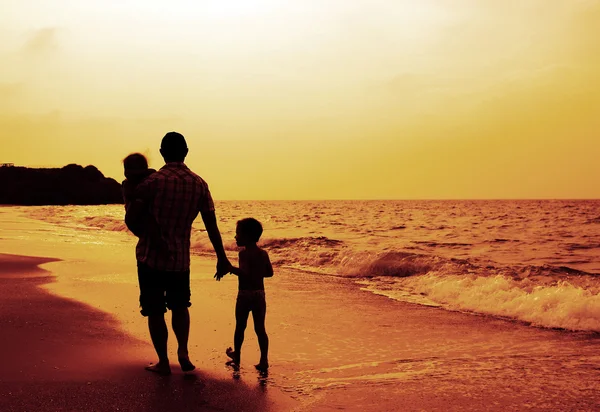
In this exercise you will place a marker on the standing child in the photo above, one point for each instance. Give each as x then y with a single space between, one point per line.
254 267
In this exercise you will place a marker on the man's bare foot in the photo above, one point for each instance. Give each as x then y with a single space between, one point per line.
184 360
160 368
185 364
262 366
235 357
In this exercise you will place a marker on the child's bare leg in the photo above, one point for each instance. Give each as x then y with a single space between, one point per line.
259 315
241 321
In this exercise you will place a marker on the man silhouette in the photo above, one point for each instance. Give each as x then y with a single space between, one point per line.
174 195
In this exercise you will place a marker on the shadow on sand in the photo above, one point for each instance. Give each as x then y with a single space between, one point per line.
59 354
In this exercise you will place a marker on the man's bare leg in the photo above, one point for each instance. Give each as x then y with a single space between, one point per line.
181 326
159 335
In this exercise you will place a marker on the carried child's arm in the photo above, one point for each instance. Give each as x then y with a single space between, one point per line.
127 192
134 217
137 200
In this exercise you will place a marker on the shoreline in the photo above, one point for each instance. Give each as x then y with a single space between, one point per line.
79 358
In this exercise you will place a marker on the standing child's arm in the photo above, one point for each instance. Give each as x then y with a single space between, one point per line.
242 270
268 266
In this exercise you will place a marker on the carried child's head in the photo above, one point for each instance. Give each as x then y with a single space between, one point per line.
136 166
248 231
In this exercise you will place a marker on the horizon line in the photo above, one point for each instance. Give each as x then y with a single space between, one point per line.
405 199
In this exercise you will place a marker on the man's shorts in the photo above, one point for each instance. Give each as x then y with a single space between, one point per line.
160 290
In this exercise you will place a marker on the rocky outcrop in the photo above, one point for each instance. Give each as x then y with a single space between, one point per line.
70 185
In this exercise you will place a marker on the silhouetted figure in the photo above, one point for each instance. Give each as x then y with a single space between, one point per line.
174 195
254 267
136 170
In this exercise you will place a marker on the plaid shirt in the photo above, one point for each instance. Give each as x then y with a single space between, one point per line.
175 196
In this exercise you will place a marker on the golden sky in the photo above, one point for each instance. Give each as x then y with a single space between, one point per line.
313 99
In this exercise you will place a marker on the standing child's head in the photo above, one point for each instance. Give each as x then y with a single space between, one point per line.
135 165
248 231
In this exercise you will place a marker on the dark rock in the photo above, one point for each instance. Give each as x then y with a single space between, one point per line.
70 185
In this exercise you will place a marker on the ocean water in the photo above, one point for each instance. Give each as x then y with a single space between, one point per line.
535 262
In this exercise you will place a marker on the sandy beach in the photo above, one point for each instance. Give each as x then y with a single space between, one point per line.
62 355
73 339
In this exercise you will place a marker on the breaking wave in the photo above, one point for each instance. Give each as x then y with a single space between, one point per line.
560 305
545 296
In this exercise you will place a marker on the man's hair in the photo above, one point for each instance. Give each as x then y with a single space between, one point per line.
251 228
174 147
135 161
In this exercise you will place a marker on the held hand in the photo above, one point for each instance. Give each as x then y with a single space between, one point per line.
223 265
223 268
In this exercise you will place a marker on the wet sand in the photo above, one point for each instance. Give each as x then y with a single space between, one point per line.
62 355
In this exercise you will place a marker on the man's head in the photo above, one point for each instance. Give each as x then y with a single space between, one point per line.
173 147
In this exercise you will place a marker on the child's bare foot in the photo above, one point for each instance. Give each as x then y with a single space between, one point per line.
235 357
262 366
161 368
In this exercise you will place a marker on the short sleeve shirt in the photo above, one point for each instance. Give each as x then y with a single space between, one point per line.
175 195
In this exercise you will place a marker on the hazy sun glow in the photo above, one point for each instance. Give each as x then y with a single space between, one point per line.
313 99
233 8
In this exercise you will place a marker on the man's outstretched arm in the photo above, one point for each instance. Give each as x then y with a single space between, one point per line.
210 222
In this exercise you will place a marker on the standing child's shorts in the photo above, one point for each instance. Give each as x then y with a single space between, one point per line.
251 301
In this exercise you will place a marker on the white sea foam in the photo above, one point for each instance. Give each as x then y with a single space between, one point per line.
106 223
561 305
